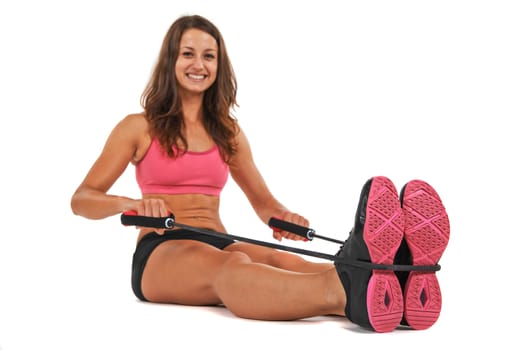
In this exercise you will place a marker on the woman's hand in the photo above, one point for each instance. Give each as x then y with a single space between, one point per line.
294 219
152 207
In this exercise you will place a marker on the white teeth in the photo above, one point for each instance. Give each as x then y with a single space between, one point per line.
196 77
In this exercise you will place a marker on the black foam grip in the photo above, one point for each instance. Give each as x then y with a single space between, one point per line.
131 219
290 227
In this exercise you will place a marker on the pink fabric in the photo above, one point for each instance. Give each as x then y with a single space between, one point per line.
191 172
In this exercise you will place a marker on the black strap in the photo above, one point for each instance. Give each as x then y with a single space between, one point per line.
371 266
169 223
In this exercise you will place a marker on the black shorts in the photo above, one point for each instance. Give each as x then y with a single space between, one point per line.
150 241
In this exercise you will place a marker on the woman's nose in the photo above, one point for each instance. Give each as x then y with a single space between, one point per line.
198 62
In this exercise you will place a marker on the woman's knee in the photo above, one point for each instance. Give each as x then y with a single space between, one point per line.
231 268
268 256
284 260
236 258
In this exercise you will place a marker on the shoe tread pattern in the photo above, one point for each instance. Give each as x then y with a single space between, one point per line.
427 233
383 232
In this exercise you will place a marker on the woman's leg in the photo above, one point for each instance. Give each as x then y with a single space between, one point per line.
195 273
280 259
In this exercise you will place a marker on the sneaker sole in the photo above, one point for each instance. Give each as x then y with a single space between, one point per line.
383 232
427 234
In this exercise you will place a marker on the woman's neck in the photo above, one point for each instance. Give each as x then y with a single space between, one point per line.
192 107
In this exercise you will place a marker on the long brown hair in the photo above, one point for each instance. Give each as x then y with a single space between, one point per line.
161 100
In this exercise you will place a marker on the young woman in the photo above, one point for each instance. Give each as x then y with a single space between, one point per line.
184 145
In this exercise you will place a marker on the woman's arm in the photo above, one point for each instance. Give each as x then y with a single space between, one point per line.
247 176
91 200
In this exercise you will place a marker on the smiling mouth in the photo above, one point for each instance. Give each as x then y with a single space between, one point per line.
196 77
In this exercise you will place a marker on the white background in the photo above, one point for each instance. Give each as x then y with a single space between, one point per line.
331 93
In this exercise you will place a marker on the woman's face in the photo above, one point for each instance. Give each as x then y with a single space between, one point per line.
197 62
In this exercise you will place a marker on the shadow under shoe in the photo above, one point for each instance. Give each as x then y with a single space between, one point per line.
374 296
426 235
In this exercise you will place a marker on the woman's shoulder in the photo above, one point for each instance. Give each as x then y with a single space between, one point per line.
132 125
135 120
131 130
240 137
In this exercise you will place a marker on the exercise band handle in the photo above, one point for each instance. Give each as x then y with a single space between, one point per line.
131 218
281 225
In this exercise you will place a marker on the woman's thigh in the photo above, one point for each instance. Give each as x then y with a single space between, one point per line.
183 271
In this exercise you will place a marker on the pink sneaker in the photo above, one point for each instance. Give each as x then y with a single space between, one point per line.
374 294
426 235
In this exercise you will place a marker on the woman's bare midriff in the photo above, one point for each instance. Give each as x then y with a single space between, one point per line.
197 210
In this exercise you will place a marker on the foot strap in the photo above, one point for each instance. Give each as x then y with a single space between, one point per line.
371 266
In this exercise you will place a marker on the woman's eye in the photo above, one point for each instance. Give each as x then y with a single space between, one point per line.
210 56
187 54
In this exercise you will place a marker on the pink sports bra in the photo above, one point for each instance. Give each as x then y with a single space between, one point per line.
191 172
